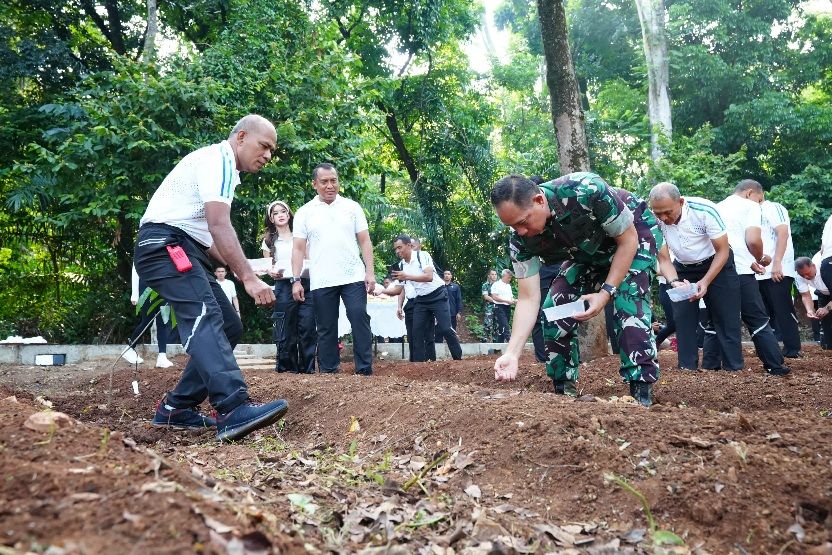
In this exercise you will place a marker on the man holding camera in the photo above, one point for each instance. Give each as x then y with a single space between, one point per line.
431 301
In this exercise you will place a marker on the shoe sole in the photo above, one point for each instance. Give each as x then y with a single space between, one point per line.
245 429
180 426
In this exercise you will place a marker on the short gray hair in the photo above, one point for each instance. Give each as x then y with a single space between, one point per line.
250 123
506 272
665 190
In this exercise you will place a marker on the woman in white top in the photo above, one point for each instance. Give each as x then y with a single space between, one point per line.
293 322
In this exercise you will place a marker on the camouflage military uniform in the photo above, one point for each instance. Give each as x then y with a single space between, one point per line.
488 327
586 216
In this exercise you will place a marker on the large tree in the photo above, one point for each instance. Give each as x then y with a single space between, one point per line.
652 14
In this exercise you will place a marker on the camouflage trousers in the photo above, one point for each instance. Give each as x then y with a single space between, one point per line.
631 320
489 325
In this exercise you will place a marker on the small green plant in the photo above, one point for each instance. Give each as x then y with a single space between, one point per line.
105 442
658 536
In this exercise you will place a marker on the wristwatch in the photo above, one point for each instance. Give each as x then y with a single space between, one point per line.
611 289
293 280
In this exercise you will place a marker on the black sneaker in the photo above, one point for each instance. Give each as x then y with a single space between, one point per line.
565 387
190 418
782 371
642 392
249 417
794 355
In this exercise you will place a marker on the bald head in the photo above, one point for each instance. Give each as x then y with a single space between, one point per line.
665 191
253 140
252 123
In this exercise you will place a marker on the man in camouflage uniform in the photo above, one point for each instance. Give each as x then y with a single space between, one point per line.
608 240
489 328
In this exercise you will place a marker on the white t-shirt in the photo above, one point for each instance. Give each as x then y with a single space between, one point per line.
329 230
502 290
419 260
205 175
774 215
826 240
699 223
803 285
282 248
738 214
228 286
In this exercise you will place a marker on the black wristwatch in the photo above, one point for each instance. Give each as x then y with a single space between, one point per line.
293 280
611 289
677 280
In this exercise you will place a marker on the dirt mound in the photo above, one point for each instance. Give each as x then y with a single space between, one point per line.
432 456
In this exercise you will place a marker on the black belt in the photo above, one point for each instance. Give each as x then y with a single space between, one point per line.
705 262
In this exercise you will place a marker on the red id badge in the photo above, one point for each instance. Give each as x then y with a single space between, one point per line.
180 259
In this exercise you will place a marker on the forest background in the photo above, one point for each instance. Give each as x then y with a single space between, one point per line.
100 98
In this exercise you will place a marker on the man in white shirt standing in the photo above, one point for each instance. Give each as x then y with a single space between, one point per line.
503 300
430 303
188 223
696 235
817 273
228 287
743 218
335 229
775 280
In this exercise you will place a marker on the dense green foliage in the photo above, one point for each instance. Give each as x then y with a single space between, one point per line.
384 89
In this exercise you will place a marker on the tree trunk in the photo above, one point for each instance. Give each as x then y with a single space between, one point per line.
569 122
567 114
149 50
651 14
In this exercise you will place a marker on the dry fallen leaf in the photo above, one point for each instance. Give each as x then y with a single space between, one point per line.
48 421
473 491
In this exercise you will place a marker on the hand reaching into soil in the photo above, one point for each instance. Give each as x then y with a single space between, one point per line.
505 368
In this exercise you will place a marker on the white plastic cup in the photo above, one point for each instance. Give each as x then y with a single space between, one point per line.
561 311
678 294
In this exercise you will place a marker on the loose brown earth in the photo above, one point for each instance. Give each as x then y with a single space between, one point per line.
730 462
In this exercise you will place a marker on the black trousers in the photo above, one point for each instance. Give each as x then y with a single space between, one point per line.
429 345
670 326
826 323
777 298
724 305
547 274
354 296
429 308
502 319
293 329
209 328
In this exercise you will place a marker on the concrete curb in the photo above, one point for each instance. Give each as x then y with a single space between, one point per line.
25 354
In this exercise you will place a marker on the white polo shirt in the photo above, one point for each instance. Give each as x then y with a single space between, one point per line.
502 290
205 175
329 230
689 240
826 240
419 260
228 288
775 215
817 284
738 214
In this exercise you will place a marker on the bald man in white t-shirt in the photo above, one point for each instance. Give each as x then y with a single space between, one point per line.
185 230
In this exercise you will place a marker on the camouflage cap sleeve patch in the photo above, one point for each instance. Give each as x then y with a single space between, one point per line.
619 223
526 268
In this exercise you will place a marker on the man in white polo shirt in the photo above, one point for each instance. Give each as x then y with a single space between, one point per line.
431 302
743 218
776 279
817 273
188 223
696 235
503 301
335 229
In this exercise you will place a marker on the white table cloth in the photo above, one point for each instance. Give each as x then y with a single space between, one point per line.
383 319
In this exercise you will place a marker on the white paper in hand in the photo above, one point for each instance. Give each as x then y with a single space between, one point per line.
559 312
260 265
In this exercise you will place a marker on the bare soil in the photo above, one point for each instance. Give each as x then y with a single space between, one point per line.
426 458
